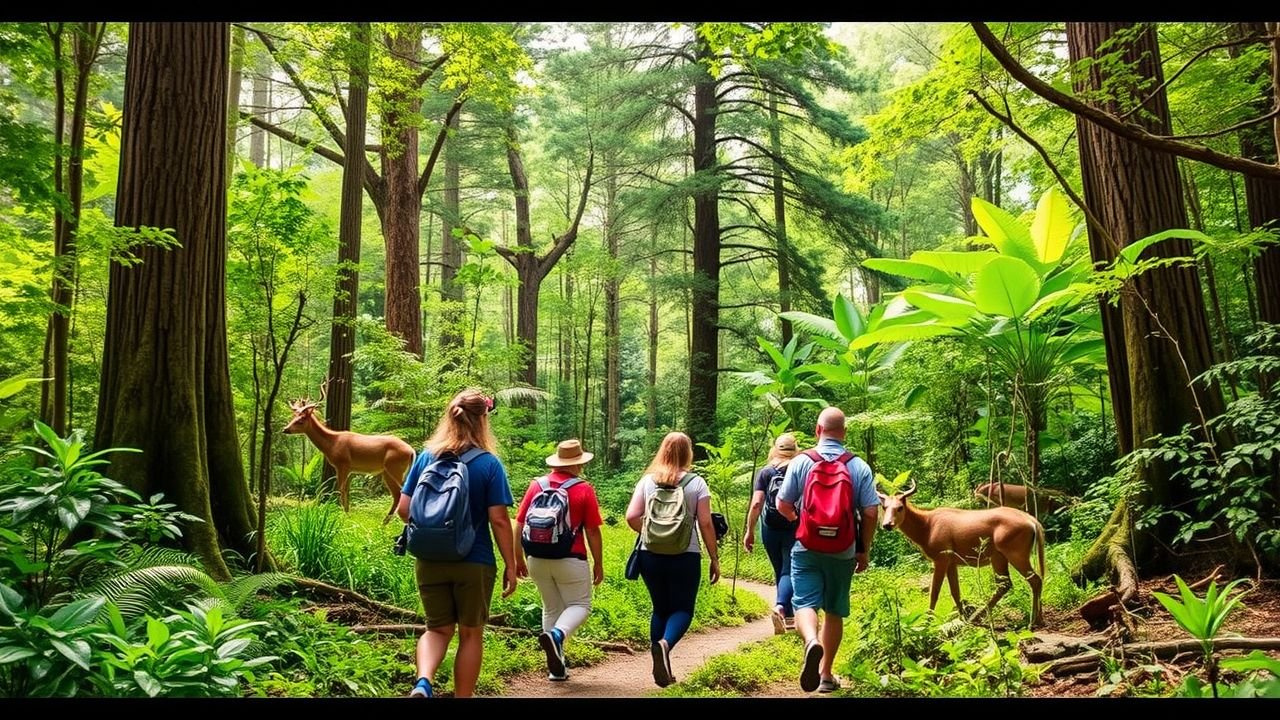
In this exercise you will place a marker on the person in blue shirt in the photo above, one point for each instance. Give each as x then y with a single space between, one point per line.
458 594
822 580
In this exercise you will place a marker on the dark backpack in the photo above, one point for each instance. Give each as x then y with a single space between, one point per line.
548 527
440 526
773 519
828 517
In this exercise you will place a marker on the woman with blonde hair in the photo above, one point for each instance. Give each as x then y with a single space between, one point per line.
458 594
668 502
778 533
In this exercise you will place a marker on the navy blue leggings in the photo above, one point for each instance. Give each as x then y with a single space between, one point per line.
672 581
778 544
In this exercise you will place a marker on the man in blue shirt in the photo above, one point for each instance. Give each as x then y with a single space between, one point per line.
819 579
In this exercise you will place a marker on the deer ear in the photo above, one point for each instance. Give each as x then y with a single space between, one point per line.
883 498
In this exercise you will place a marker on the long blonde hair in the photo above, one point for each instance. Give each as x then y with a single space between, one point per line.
674 456
464 425
783 451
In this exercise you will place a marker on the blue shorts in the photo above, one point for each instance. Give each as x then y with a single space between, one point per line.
821 581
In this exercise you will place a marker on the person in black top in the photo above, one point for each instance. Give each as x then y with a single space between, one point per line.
778 533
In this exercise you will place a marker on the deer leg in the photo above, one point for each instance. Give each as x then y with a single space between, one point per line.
1023 565
939 570
953 581
344 498
393 486
999 565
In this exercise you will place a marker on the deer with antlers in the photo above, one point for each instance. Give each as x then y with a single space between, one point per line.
350 452
998 537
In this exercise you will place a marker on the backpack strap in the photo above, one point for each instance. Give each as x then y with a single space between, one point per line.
812 454
684 481
566 484
846 457
471 454
544 482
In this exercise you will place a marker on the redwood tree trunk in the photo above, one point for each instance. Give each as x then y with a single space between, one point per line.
653 332
1134 192
704 343
233 97
50 413
165 382
342 335
400 226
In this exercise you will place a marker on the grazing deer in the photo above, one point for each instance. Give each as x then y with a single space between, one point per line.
998 537
350 452
1040 502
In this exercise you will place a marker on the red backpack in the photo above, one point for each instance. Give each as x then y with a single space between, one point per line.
827 515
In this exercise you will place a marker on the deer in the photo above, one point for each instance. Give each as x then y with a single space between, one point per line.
349 452
998 537
1042 500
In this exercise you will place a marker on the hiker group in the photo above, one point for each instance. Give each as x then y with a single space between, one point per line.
818 510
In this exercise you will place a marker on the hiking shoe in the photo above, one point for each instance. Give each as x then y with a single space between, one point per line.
809 674
779 622
555 655
790 623
558 678
828 685
661 663
422 689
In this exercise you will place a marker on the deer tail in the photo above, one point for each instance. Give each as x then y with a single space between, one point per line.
1040 544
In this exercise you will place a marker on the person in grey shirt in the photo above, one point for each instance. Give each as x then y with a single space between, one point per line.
821 580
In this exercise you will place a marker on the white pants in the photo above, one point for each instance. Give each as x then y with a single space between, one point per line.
565 586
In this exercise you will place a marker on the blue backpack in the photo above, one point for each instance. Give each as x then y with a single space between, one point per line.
440 527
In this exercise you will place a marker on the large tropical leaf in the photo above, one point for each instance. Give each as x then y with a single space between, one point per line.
11 386
1094 349
955 263
945 307
779 360
907 268
1076 272
838 374
1051 229
1008 235
813 323
1007 286
848 317
1131 251
901 333
1058 299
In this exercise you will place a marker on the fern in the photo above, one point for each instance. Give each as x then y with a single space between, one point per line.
138 591
513 395
239 591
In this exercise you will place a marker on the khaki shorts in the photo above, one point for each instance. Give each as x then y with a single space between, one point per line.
455 592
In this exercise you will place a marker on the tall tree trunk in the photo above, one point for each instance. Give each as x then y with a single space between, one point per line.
342 334
780 219
233 96
49 391
261 107
1134 192
653 331
1263 196
450 246
705 341
400 226
166 387
612 327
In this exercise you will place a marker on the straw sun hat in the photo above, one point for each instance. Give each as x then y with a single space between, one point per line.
569 453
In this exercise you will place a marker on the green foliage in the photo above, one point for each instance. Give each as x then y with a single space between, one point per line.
195 653
1202 619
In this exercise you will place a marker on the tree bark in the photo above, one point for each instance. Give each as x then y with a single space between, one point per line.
342 335
612 327
261 107
653 332
165 381
450 246
1135 191
705 340
233 97
780 219
401 217
49 391
1262 197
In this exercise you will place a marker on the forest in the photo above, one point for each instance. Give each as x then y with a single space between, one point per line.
1036 264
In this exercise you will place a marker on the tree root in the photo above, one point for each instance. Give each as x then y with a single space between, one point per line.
1089 661
345 595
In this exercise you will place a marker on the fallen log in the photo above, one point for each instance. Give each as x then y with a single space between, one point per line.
416 629
1089 661
346 595
1048 646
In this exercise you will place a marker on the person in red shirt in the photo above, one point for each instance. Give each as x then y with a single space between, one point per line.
558 518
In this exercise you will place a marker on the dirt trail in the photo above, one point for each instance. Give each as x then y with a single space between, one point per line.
621 675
